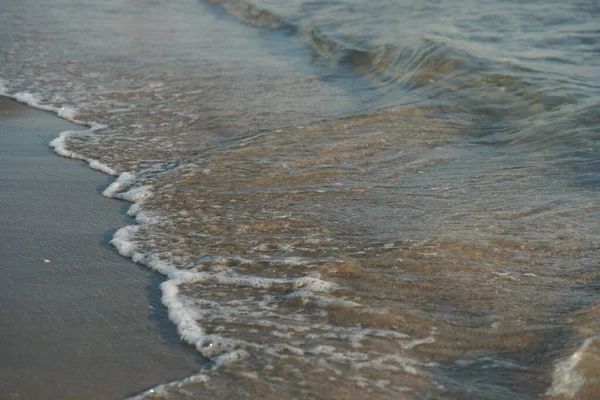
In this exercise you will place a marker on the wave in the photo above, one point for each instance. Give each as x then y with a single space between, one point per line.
411 65
499 100
341 254
205 319
253 15
576 377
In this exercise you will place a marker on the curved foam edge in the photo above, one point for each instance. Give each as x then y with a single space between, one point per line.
220 350
59 146
68 113
121 188
163 390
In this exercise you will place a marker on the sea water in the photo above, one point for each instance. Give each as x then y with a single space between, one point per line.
348 199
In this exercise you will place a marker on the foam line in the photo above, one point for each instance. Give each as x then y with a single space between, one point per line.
221 350
68 113
60 147
163 390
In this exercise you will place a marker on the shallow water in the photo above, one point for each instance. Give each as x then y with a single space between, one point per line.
349 200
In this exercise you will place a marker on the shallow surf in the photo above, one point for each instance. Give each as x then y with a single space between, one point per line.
347 200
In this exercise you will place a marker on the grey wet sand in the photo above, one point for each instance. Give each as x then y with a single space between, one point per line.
77 320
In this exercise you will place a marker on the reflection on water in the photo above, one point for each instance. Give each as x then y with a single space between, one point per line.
349 200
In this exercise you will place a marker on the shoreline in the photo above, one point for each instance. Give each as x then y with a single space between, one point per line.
78 319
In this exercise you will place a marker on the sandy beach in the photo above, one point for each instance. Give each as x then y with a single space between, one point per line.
77 320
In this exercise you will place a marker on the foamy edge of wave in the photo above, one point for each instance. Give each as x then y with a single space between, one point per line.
121 189
59 144
60 147
220 350
163 390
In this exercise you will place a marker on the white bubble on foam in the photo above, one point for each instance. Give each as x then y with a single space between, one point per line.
147 218
67 113
135 195
211 346
249 375
121 189
123 182
314 284
323 350
134 209
418 342
290 261
231 357
122 240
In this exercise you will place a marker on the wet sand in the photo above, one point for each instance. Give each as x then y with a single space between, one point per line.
77 320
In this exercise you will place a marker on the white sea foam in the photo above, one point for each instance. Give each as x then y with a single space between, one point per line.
147 218
65 112
231 357
223 350
323 350
570 374
134 209
60 147
184 311
313 284
97 165
3 88
122 183
308 296
122 240
188 313
164 390
32 101
69 113
94 126
135 195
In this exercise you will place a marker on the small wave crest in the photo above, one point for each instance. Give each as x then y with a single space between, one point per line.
576 377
